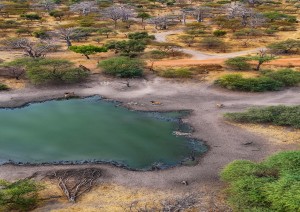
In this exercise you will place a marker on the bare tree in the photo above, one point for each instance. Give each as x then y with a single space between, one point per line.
160 22
32 49
75 182
118 12
47 5
84 7
70 34
15 72
201 12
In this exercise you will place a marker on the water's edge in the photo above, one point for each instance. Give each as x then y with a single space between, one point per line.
184 130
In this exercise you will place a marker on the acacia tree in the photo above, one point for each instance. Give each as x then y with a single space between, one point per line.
143 16
262 57
87 50
160 22
32 49
84 7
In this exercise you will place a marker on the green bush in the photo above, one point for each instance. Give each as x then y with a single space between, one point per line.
287 77
45 71
21 195
31 16
238 63
177 73
87 50
3 87
141 36
277 115
259 84
219 33
272 185
123 67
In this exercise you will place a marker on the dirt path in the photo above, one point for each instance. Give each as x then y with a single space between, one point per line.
198 57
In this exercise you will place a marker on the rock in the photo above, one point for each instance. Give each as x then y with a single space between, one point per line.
184 182
248 143
220 105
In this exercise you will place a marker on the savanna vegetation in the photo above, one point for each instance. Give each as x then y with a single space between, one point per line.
271 185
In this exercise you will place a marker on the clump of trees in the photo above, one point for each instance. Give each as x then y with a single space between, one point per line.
272 185
276 115
123 67
49 71
21 195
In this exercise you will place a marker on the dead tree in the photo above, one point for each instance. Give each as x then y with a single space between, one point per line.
160 22
47 5
75 182
118 12
15 72
84 7
32 49
70 34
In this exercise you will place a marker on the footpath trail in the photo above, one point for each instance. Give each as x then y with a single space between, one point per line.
199 57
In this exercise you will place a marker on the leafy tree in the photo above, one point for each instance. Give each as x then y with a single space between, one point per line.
57 14
140 36
21 195
238 63
87 50
285 47
130 47
45 71
212 43
143 16
286 76
219 33
105 31
123 67
272 185
262 57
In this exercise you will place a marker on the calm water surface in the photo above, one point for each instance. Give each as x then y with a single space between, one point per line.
92 130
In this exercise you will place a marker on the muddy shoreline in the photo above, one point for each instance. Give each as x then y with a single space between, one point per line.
225 140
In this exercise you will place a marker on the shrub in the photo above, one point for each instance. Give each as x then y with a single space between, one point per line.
31 16
285 47
272 185
123 67
177 73
21 195
287 77
43 71
238 63
3 87
212 43
219 33
259 84
140 36
130 47
42 34
277 115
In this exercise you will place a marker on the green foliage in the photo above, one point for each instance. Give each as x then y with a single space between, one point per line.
287 77
123 67
285 47
87 50
238 63
273 16
43 71
31 16
177 73
18 196
259 84
277 115
3 87
42 34
57 14
128 48
272 185
219 33
140 36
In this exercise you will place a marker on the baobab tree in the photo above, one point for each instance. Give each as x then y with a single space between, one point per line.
32 49
160 22
118 12
47 5
84 7
201 12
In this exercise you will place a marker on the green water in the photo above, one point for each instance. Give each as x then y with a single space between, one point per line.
91 130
